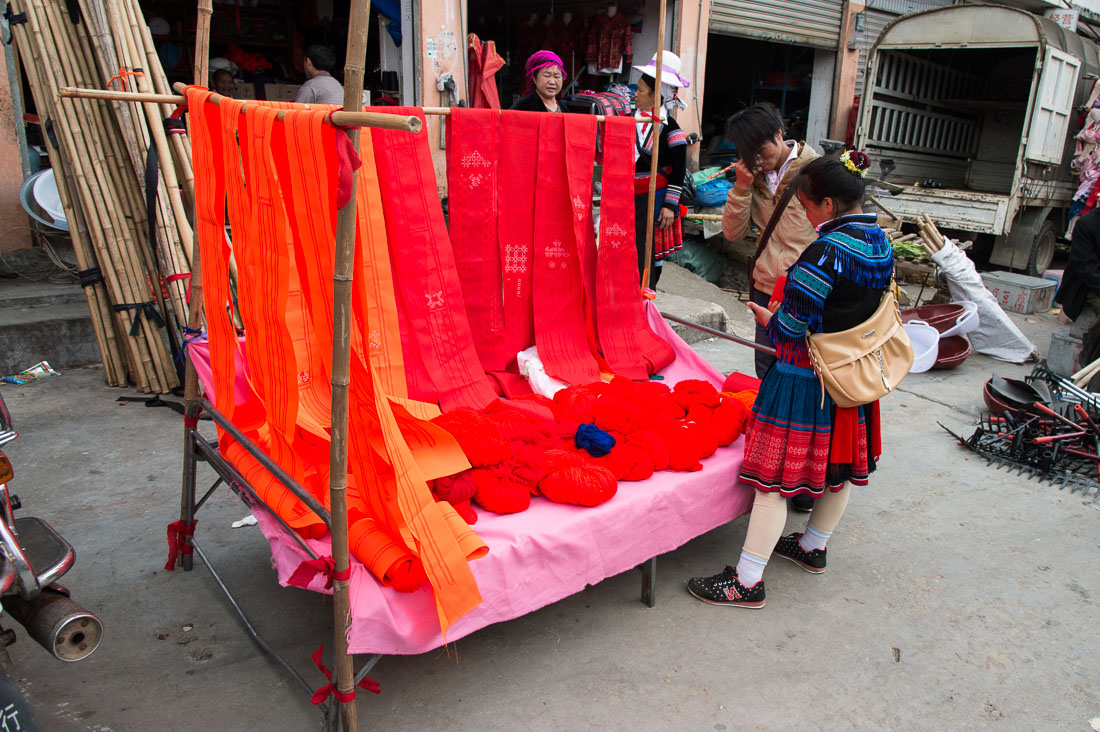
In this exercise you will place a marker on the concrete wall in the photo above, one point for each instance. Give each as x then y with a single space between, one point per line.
441 49
11 174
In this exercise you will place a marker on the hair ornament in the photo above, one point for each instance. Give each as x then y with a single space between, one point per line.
856 161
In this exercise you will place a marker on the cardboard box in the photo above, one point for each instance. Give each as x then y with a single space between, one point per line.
1020 293
281 92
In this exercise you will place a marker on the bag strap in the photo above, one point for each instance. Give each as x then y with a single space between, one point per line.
762 241
780 205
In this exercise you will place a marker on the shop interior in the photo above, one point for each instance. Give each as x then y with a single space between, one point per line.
263 43
569 28
743 71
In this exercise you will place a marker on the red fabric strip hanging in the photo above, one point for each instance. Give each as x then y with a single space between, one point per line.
560 322
439 351
618 302
517 170
472 138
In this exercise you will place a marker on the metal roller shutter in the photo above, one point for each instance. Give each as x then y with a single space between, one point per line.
813 23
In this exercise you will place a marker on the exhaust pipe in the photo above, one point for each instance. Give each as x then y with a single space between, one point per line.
58 624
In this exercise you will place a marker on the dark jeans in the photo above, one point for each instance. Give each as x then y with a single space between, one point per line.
764 361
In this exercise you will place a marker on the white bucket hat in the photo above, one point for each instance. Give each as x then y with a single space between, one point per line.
670 70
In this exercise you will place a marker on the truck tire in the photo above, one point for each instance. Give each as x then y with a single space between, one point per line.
1042 250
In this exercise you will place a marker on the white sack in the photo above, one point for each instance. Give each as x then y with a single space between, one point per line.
531 368
996 334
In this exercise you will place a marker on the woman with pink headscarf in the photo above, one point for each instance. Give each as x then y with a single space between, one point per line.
546 77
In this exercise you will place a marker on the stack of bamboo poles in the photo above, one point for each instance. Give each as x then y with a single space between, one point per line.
99 162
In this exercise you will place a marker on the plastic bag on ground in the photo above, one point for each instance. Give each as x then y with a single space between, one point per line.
996 334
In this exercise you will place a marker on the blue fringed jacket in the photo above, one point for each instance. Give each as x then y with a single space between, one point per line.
836 284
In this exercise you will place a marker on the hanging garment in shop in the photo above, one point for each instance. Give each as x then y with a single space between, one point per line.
441 363
485 62
609 45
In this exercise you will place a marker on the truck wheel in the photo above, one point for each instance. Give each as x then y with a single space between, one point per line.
1042 251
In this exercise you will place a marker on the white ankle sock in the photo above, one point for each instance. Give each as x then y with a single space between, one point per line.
813 538
750 568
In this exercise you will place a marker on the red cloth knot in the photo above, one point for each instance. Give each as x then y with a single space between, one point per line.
178 534
326 566
319 696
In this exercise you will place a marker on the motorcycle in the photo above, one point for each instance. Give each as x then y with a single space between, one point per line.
33 557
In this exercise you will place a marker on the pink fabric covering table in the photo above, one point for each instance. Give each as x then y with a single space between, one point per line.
545 553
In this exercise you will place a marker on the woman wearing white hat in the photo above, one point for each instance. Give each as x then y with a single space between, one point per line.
671 159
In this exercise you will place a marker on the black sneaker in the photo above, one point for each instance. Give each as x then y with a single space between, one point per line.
726 589
803 503
789 548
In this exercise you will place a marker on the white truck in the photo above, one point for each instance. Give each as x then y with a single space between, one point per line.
981 102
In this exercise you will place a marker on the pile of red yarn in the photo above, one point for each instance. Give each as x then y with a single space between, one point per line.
517 451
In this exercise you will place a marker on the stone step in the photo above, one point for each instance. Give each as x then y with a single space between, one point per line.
60 333
698 311
28 295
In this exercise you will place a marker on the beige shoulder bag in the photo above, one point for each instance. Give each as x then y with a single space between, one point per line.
864 363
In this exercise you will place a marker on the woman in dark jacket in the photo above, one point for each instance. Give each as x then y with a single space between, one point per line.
546 78
671 162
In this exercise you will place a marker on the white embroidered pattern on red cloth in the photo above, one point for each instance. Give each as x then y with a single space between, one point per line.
557 254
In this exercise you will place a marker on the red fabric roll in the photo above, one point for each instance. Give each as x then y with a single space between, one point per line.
582 485
575 404
740 382
478 437
499 494
651 445
455 488
618 416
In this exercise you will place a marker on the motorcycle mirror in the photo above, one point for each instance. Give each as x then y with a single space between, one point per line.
6 471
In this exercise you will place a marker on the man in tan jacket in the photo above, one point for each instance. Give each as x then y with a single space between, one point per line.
767 166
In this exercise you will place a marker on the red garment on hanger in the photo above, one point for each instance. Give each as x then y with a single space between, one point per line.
560 318
610 41
441 362
485 62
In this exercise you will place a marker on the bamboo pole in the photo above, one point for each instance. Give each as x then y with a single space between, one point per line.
340 118
194 306
655 146
72 53
343 276
180 148
94 198
114 362
124 25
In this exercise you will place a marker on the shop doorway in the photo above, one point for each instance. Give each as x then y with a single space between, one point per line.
743 71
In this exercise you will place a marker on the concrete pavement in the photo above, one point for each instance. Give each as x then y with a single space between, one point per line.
958 597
